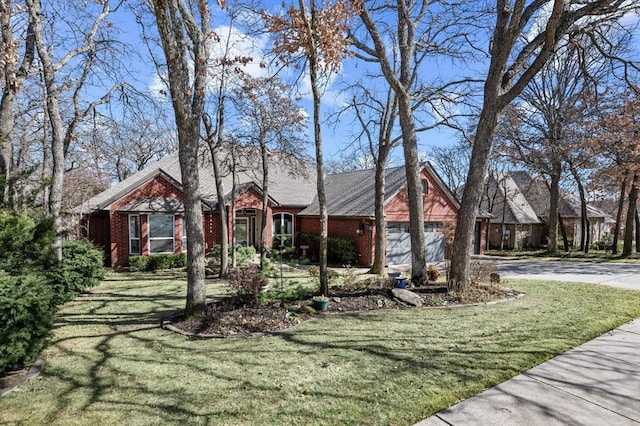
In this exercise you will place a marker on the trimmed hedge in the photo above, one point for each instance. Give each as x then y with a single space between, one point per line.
339 250
244 254
157 262
138 263
27 307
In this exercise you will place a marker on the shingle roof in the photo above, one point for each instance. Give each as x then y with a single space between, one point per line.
537 192
291 182
509 203
351 194
527 199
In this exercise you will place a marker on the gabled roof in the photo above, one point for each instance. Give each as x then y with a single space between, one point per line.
291 181
351 194
103 200
508 204
244 187
527 199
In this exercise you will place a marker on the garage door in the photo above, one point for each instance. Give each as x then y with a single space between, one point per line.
399 243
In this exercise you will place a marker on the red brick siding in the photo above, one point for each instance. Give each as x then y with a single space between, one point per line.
437 206
483 235
119 232
211 230
345 228
95 228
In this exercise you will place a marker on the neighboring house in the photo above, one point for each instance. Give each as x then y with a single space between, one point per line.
519 203
143 215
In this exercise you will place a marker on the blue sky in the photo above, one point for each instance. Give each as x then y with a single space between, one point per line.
335 138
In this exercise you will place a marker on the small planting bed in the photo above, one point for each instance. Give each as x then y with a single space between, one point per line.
229 317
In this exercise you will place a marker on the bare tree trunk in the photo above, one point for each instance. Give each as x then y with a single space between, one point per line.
463 240
380 182
234 259
584 218
265 201
214 148
55 120
178 30
637 232
414 189
631 214
311 27
222 207
563 231
616 232
12 84
379 149
554 205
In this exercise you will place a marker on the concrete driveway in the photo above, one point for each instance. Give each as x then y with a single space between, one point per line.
613 274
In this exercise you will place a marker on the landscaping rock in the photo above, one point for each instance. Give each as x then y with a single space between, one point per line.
407 296
306 309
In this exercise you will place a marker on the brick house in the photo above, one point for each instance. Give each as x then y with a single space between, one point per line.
519 203
143 215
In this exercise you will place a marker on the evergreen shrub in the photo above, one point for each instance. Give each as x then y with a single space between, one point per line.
27 309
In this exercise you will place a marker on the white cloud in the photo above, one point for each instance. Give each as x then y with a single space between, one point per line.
232 44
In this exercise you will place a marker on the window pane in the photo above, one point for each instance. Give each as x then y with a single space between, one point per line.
134 226
161 246
135 246
160 226
241 232
282 229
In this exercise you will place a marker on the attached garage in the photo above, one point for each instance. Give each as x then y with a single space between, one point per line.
399 243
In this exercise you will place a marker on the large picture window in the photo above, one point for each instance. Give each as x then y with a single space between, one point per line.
161 234
134 234
282 229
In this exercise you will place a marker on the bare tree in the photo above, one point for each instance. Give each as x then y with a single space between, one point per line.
451 162
524 37
417 31
275 124
185 36
15 69
320 36
380 145
615 132
83 58
553 106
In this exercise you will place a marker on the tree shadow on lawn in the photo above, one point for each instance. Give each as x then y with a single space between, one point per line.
139 369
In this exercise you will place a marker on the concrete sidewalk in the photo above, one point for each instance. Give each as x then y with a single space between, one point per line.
597 383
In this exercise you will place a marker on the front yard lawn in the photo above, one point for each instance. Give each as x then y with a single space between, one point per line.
111 363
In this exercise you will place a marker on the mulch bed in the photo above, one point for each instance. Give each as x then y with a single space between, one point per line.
227 318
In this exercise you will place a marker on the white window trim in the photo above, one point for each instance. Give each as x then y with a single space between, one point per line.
184 234
282 222
138 238
173 238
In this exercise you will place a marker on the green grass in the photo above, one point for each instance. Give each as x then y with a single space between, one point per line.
596 256
110 363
